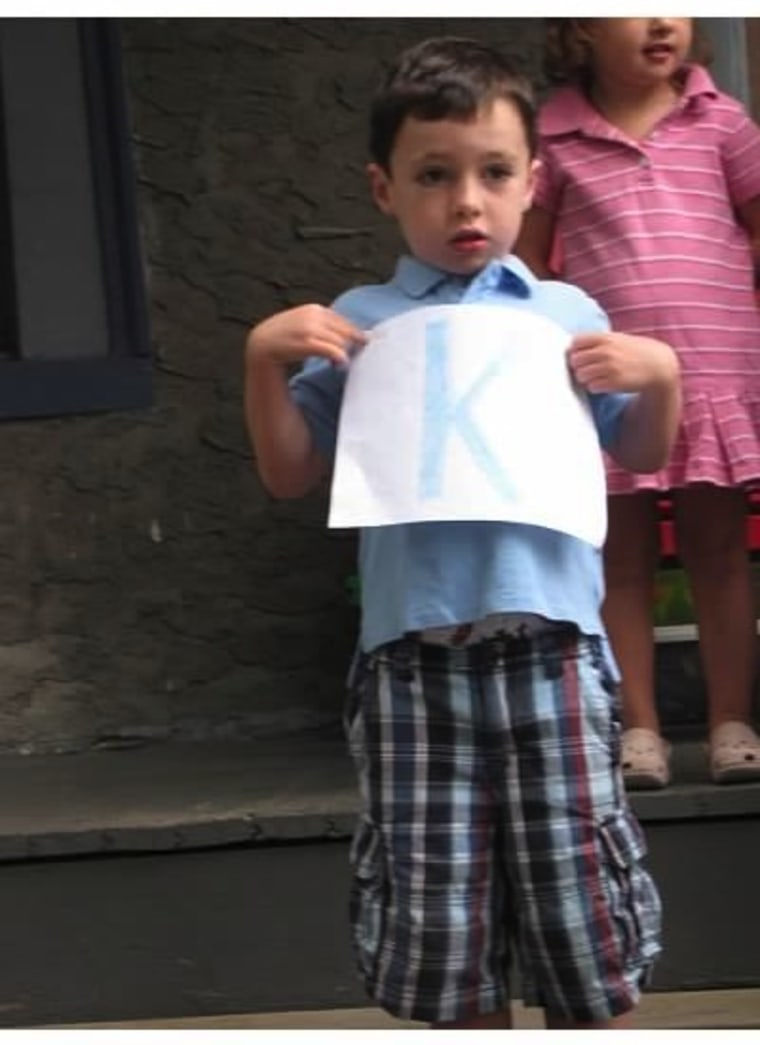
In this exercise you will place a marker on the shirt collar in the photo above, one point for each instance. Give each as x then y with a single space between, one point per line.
417 279
569 110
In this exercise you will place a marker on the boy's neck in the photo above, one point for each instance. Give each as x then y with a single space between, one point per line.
464 277
637 110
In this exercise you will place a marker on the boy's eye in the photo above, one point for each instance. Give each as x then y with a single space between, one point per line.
497 172
432 176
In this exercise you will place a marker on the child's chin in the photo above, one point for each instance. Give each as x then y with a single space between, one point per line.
460 265
468 266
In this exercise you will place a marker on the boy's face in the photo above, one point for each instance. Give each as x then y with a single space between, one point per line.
458 188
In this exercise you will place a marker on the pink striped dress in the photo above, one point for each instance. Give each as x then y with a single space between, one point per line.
648 229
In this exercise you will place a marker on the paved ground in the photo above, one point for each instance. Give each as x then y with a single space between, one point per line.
692 1009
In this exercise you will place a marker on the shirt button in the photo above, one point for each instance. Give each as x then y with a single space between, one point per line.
644 161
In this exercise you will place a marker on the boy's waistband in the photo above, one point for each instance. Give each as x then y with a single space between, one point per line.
552 645
495 625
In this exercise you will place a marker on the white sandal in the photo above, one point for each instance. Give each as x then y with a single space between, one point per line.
645 759
734 753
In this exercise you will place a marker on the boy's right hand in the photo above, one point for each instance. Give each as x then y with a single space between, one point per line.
307 330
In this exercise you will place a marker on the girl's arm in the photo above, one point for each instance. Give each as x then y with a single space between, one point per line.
535 243
749 216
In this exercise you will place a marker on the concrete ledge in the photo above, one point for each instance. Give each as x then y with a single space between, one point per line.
173 797
161 798
692 795
225 929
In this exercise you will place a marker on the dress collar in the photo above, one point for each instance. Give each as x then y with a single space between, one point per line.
569 110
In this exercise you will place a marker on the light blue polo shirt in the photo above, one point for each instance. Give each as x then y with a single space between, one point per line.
422 575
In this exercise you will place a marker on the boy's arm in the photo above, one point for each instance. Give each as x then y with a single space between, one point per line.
648 429
612 362
535 242
288 461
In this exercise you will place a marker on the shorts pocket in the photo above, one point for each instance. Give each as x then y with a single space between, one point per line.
601 705
353 712
368 895
633 897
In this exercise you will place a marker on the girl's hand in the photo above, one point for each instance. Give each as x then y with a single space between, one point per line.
308 330
612 362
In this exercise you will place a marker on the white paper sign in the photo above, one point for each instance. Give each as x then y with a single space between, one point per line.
457 412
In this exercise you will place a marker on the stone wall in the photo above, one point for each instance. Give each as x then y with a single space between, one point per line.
149 588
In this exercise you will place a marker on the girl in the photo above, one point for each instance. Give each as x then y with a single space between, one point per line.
649 199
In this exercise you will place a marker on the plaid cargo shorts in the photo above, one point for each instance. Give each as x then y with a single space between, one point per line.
495 831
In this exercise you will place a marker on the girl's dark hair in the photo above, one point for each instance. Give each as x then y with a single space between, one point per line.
442 77
567 57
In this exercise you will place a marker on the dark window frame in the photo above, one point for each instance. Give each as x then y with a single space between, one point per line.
8 317
121 377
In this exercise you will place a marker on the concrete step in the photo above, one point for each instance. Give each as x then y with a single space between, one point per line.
283 788
207 880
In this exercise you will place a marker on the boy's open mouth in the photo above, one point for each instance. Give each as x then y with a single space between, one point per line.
469 240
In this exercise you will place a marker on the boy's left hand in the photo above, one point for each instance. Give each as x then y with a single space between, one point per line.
613 362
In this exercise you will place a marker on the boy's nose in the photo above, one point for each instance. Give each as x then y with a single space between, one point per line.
467 197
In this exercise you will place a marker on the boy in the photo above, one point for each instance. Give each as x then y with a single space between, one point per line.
482 714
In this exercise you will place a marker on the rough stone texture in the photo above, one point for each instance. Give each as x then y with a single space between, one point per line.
149 588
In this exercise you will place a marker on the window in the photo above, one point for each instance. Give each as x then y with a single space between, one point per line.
73 313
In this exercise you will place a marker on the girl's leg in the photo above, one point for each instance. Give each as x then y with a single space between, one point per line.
711 530
630 559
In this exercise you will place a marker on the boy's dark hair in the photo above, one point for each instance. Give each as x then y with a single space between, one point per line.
444 77
567 57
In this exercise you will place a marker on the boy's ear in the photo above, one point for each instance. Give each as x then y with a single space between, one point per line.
535 167
379 182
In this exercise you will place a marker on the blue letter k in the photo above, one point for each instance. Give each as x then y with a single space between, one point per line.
440 415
